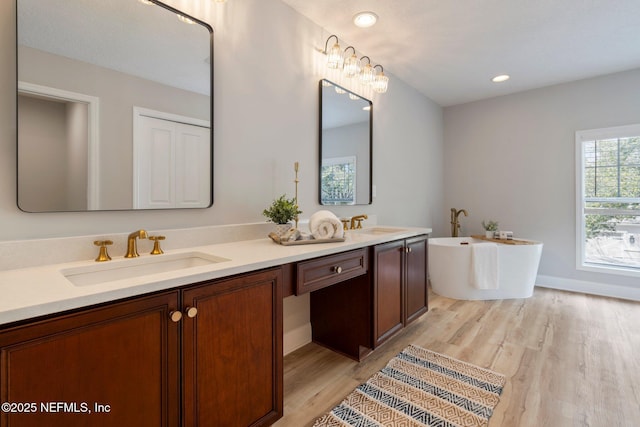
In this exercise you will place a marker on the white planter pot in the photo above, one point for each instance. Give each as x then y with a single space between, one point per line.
281 229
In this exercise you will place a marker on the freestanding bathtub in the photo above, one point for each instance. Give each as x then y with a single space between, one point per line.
450 269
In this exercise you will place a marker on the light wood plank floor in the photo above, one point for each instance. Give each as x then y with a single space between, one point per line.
570 359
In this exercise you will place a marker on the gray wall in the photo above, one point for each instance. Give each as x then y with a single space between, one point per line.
265 119
512 159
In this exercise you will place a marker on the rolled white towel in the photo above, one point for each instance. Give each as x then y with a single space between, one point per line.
325 225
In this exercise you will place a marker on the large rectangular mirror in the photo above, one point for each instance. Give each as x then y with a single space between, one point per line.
114 106
345 146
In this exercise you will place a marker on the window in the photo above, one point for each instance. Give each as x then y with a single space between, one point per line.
608 199
338 181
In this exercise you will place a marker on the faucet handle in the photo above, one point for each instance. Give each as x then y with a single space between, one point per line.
103 255
156 244
345 223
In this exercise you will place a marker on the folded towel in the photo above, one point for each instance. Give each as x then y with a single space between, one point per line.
325 225
484 265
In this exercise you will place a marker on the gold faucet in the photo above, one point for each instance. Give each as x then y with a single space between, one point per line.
132 249
455 222
359 219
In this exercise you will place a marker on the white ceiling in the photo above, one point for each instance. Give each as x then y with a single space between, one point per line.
450 49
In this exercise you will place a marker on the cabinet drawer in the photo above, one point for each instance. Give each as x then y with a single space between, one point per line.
329 270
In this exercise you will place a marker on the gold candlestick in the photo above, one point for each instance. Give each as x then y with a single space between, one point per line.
295 168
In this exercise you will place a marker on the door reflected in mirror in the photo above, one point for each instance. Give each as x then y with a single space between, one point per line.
114 106
345 146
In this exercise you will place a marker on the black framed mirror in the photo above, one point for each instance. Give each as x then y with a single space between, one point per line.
114 106
346 142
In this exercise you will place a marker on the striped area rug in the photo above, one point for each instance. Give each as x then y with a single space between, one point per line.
419 387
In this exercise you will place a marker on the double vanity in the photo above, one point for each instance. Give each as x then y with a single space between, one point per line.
194 336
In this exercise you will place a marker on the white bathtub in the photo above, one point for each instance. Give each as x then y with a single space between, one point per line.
450 269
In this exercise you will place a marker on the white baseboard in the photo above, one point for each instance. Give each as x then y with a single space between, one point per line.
296 338
595 288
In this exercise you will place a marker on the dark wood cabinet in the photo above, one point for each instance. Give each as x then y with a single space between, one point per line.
416 275
388 293
399 285
331 269
354 315
208 354
340 302
106 366
232 352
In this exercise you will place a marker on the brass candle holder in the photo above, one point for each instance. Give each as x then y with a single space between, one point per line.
296 166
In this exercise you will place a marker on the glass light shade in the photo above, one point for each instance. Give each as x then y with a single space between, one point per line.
380 83
351 66
334 57
367 74
340 90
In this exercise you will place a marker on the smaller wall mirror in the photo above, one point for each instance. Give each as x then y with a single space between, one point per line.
345 146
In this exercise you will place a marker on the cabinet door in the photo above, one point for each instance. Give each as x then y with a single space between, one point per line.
115 365
388 311
415 278
232 352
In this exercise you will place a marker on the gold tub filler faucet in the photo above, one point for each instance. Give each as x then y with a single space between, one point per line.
455 222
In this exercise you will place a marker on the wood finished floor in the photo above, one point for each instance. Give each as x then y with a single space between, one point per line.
570 359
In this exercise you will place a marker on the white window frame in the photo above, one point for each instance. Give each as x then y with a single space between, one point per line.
586 136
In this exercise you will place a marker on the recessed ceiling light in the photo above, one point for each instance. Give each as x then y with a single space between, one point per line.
365 19
501 78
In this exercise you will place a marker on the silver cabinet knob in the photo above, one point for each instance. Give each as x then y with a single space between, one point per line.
337 269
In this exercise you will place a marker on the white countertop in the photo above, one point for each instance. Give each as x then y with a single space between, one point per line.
36 291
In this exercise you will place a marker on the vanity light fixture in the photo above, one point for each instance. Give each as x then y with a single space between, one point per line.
501 78
351 66
334 55
340 90
365 19
380 81
366 75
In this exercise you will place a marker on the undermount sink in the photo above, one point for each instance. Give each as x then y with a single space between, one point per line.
130 268
378 230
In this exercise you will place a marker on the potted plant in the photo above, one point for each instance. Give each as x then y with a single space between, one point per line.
490 227
281 212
